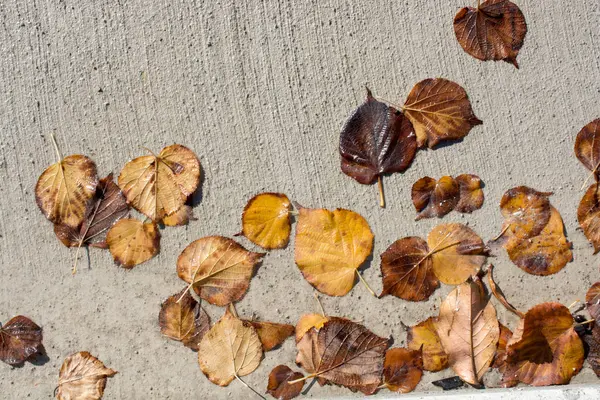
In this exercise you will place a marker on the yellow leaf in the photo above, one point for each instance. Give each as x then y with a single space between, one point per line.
424 334
180 217
307 322
266 220
132 242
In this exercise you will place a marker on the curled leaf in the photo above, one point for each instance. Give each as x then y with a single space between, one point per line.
471 194
588 215
307 322
180 217
402 369
20 338
182 319
587 146
495 30
500 357
526 211
433 198
64 189
439 110
592 302
266 220
132 242
272 334
424 336
218 268
498 294
330 247
279 386
82 376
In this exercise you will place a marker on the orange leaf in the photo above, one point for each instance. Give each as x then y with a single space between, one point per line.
526 211
272 334
182 319
180 217
278 385
402 369
307 322
424 335
471 193
132 242
587 146
500 357
588 215
266 220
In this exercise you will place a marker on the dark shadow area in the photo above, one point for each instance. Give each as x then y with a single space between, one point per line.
40 358
196 197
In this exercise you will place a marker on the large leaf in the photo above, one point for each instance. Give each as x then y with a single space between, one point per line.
587 146
588 215
424 336
82 376
439 110
469 331
20 338
219 268
132 242
345 353
266 220
182 319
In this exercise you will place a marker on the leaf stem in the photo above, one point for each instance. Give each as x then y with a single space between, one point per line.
232 310
571 306
381 194
501 233
74 270
365 283
245 384
302 379
58 154
585 322
319 303
589 176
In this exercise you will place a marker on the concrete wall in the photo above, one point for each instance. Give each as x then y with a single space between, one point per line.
259 90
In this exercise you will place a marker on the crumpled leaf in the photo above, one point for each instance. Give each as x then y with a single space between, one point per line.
592 302
330 247
593 342
544 349
20 338
180 217
469 331
587 146
439 110
495 30
424 335
408 270
345 353
499 295
307 322
272 334
402 369
456 252
526 212
219 268
278 385
230 349
132 242
500 357
158 186
64 189
266 220
82 376
377 139
588 215
182 319
471 194
544 254
106 207
433 198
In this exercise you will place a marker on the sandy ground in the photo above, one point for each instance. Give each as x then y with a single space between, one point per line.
260 90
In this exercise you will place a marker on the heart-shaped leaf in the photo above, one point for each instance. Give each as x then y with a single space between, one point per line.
20 338
266 220
182 319
132 242
82 376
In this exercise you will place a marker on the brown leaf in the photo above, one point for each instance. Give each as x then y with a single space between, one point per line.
272 334
433 198
345 353
180 217
330 247
498 294
230 349
593 342
158 186
469 331
544 349
182 319
278 385
266 220
495 30
592 302
500 357
402 369
132 242
307 322
106 207
82 376
439 110
408 271
20 338
377 139
587 146
64 189
588 215
219 268
526 211
424 335
471 194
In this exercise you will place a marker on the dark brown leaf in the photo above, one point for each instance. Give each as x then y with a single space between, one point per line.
587 146
593 342
20 338
278 385
433 198
471 194
592 302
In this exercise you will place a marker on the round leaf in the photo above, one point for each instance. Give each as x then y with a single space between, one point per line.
526 211
434 198
402 369
266 220
587 146
132 242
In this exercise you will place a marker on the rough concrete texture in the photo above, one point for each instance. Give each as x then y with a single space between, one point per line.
259 90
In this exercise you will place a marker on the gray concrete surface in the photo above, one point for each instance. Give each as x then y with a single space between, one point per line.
259 90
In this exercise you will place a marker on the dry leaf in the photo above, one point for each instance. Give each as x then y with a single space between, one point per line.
266 220
219 268
433 198
526 212
229 350
272 334
498 294
593 342
471 194
495 30
544 349
307 322
407 270
402 369
107 206
500 357
180 217
278 385
82 376
182 319
20 338
330 247
587 146
592 302
424 335
345 353
64 190
439 110
469 331
158 186
132 242
588 215
456 252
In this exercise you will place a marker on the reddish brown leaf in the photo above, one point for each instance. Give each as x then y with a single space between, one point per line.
424 336
279 386
20 338
588 215
182 319
402 369
471 194
587 146
433 198
592 302
272 334
497 292
593 342
500 357
495 30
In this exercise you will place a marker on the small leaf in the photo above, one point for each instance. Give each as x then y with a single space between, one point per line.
439 110
592 302
588 215
471 194
307 322
182 319
454 382
495 30
82 376
266 220
132 242
180 217
433 198
219 268
402 369
424 335
500 357
20 338
272 334
230 349
587 146
278 385
526 211
498 294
